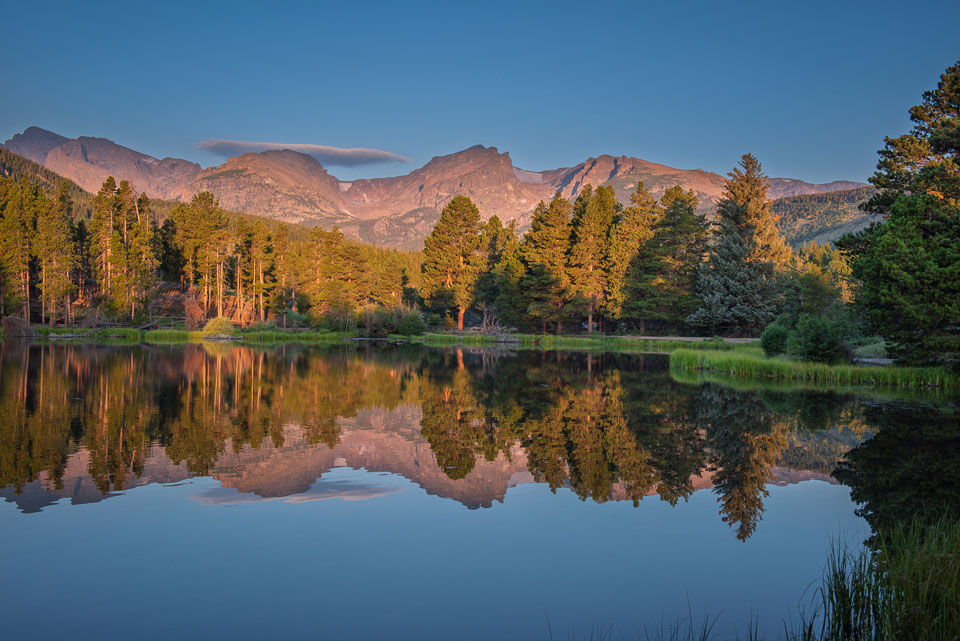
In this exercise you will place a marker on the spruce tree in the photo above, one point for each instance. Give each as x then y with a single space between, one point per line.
451 258
661 280
738 286
546 284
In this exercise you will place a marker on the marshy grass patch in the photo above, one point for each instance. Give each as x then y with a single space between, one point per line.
743 363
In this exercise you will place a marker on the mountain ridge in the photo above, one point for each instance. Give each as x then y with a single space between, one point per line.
395 211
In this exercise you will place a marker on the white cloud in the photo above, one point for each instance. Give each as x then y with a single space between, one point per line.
325 154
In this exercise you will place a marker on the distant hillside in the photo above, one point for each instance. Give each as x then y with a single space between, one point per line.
822 217
16 167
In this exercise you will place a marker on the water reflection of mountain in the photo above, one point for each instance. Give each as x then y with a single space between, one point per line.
84 423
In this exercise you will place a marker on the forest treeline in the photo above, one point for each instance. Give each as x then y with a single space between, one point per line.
56 264
591 264
652 266
806 216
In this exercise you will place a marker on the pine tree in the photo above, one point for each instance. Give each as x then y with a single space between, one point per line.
738 286
17 237
546 283
594 213
143 256
661 280
628 237
261 267
498 286
102 231
909 266
451 258
56 255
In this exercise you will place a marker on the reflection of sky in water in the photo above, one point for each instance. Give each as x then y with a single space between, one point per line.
336 484
158 563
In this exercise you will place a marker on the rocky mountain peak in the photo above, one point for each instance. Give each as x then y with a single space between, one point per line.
34 143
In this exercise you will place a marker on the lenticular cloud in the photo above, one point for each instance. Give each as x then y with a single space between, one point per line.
339 156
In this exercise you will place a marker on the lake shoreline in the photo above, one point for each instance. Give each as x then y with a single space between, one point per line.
736 358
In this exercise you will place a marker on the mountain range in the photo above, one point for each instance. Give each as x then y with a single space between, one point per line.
395 211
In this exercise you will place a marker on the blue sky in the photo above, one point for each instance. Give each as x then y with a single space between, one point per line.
811 88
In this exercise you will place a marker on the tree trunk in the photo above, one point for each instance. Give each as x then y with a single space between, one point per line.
590 321
220 289
460 313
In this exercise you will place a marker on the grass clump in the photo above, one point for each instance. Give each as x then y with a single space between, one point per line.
908 589
741 363
169 336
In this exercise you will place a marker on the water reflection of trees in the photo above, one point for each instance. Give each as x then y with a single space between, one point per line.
910 469
607 427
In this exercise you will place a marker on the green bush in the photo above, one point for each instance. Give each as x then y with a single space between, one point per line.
411 324
218 325
817 338
774 339
296 319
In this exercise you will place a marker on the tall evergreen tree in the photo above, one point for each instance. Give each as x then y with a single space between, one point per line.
102 231
661 281
498 245
544 250
17 236
628 238
738 287
909 266
451 258
594 213
56 255
143 256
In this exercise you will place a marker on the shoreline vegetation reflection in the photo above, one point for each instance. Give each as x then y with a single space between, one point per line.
84 422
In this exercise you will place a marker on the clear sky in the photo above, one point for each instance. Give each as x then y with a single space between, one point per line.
811 87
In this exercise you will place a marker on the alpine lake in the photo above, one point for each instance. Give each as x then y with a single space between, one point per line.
374 491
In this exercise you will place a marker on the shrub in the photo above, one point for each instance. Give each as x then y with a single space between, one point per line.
218 325
411 324
817 338
296 319
774 339
268 326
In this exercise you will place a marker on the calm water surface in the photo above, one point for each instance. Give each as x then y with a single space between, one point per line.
382 492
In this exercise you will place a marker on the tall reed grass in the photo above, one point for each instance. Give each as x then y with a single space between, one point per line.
908 589
747 365
598 342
